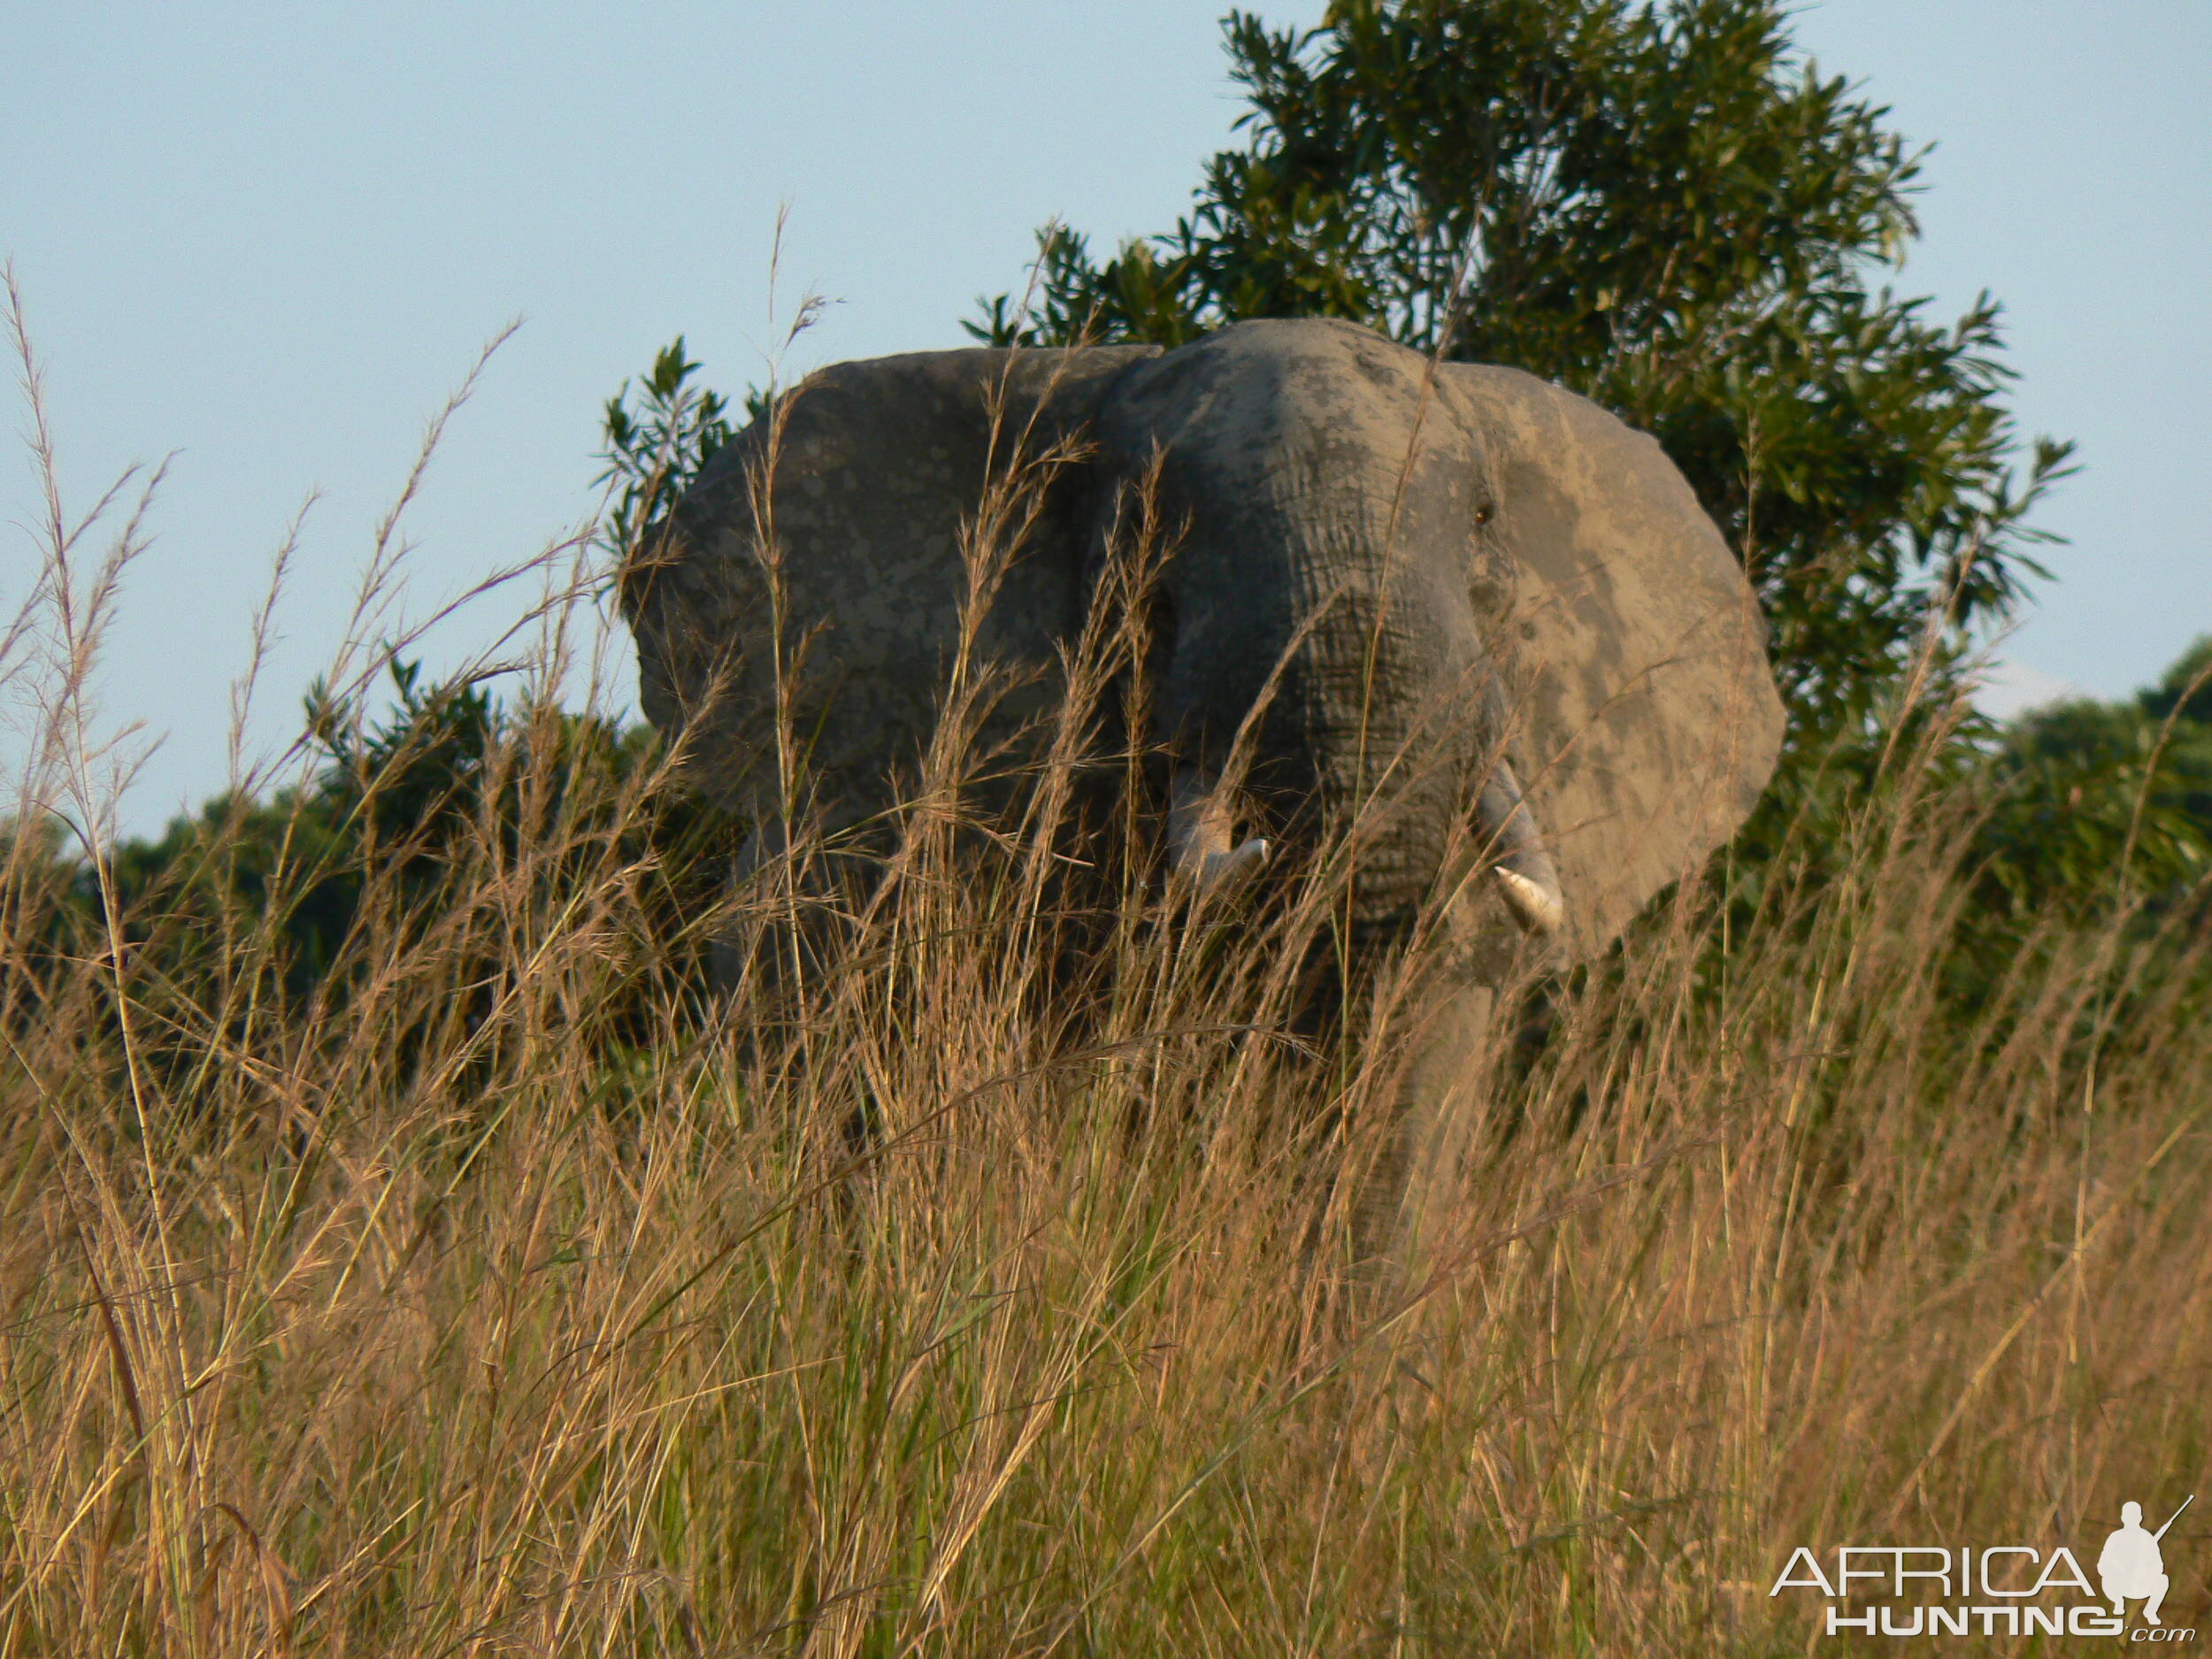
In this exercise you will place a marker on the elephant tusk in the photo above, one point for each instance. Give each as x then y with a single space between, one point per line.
1226 866
1537 905
1198 827
1523 868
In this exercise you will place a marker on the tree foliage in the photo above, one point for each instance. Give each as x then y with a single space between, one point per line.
339 877
654 450
2093 801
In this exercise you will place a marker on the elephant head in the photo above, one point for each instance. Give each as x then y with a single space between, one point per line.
1422 605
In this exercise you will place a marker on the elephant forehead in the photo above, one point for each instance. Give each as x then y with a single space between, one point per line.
1312 404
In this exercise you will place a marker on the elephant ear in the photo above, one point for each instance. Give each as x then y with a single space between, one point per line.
1644 716
868 481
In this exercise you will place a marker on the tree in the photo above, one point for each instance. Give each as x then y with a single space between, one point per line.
1656 205
447 799
2094 801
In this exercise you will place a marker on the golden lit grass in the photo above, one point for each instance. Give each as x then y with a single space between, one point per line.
457 1317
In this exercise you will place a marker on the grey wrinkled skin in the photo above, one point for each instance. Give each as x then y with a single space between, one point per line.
1465 616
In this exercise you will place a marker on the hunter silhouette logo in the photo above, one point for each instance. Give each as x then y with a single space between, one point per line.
1995 1589
2130 1566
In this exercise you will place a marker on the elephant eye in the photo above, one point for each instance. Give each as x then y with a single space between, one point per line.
1483 513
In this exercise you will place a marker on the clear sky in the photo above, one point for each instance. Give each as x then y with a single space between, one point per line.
270 239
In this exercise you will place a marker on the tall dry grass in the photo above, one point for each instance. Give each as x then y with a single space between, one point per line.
935 1295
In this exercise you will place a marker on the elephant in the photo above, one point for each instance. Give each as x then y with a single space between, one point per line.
1457 612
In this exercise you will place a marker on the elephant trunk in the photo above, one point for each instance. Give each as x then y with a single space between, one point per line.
1325 663
1368 741
1362 726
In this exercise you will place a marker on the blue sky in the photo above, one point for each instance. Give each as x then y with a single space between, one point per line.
270 240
